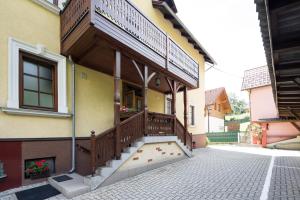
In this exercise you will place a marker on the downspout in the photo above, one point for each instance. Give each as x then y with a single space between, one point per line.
208 124
73 118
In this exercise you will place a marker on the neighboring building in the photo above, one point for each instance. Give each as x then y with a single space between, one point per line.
263 109
129 56
217 105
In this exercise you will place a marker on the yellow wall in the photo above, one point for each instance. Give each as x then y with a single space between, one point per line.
29 22
195 97
33 24
156 101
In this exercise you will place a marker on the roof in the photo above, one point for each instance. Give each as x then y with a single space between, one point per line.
212 95
170 3
256 77
170 14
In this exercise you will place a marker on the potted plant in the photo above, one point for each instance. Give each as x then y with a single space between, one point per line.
255 131
37 169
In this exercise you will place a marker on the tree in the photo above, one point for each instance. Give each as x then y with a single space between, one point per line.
238 106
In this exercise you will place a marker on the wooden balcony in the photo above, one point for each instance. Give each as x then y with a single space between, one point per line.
92 29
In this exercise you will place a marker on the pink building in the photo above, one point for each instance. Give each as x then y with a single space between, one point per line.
263 109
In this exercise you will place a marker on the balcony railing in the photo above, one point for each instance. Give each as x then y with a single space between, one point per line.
127 18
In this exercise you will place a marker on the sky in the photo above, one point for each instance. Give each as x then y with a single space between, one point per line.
229 31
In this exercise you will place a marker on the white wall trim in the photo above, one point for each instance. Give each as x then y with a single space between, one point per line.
37 113
14 47
47 5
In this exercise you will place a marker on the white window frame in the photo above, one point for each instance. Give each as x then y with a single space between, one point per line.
190 116
168 96
14 47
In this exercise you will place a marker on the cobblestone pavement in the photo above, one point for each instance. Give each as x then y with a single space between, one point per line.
285 181
211 174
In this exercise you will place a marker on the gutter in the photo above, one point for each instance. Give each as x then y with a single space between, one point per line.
72 170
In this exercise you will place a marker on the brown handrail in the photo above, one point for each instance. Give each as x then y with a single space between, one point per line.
103 145
160 124
131 129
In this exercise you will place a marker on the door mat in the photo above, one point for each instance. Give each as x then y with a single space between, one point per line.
37 193
62 178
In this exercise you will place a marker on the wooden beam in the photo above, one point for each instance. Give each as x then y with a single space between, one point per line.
180 85
174 85
298 84
170 84
293 113
138 69
185 102
117 77
150 77
145 100
296 126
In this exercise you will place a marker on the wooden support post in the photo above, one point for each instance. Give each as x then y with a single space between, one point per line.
174 83
93 152
185 114
145 100
117 77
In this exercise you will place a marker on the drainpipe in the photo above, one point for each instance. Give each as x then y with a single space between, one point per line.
208 124
73 118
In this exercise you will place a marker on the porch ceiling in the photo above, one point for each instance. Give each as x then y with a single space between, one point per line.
97 53
280 27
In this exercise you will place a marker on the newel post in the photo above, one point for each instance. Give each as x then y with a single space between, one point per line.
117 101
93 152
185 113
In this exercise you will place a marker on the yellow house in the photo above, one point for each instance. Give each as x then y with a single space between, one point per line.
81 85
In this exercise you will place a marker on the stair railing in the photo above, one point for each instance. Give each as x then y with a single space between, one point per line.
103 145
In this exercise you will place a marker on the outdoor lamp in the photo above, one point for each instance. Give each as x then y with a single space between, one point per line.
157 81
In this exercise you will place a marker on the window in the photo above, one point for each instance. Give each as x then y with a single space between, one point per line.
192 115
169 106
37 83
50 163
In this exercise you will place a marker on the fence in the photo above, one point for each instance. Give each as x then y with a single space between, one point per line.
223 137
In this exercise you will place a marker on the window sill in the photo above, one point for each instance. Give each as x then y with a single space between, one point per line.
3 177
37 113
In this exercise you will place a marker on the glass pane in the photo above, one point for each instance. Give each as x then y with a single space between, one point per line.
31 98
30 68
45 72
46 100
30 83
45 86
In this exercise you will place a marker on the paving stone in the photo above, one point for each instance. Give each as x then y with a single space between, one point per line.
210 174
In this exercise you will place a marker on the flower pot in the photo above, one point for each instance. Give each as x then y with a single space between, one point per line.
258 142
35 176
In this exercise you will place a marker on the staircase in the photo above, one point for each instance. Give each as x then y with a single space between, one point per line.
103 152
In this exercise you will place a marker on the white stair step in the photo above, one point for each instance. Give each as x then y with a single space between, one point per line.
106 171
125 156
71 188
131 149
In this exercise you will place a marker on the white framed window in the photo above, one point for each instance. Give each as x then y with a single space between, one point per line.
168 104
192 115
15 48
